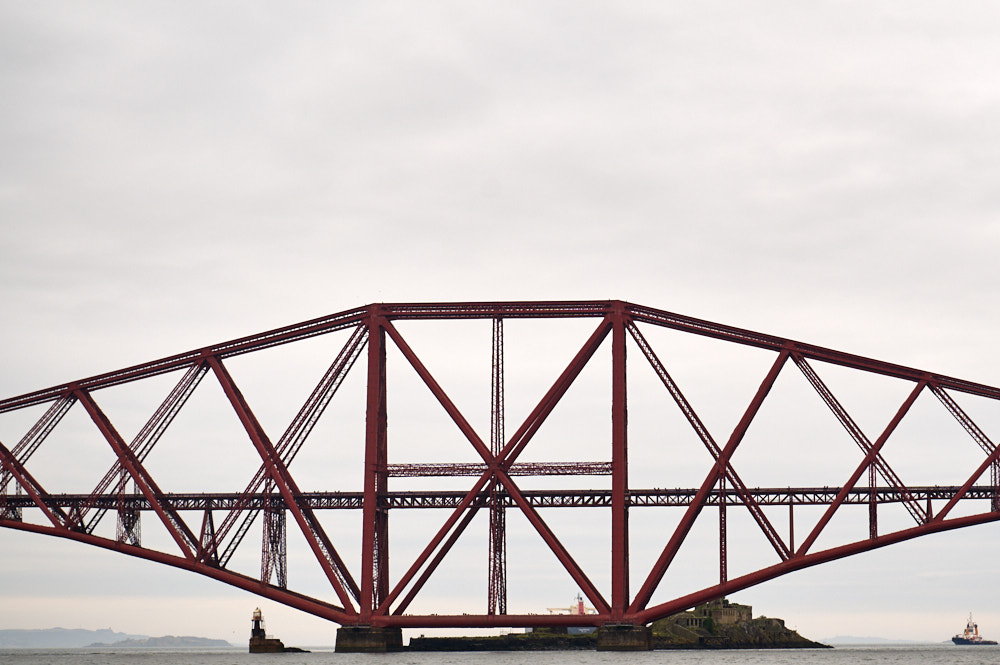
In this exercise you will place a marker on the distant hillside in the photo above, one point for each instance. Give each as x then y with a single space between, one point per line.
166 641
65 638
71 638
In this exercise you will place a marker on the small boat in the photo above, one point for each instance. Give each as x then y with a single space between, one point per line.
971 635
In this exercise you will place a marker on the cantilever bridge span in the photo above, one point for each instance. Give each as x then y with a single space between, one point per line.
203 530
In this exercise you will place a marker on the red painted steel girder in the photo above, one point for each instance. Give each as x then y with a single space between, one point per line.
445 311
374 601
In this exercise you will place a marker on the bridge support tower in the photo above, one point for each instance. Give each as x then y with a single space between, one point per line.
624 637
368 639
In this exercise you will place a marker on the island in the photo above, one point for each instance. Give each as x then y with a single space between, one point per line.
719 624
722 624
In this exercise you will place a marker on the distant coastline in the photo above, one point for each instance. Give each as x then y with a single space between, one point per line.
71 638
168 641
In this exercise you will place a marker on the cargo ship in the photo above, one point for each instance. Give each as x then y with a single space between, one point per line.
971 635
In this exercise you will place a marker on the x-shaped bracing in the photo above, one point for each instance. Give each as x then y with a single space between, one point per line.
373 600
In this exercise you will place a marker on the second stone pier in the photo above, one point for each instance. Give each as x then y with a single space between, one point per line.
368 639
624 637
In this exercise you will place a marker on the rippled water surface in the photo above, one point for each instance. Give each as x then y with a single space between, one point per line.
924 655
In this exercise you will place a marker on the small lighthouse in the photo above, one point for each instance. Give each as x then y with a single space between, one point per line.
257 625
260 642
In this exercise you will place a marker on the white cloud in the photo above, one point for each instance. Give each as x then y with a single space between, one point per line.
177 176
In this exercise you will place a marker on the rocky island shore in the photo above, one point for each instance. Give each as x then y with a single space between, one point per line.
716 625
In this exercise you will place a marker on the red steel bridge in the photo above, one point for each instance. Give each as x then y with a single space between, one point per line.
206 529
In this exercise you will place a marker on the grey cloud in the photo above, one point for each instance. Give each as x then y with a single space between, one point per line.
178 175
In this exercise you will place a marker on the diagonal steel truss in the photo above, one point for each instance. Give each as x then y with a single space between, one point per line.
377 598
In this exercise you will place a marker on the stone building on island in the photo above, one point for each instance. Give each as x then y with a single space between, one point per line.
719 612
721 624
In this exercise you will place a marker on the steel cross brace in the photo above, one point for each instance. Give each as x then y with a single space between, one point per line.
477 443
879 463
964 490
865 464
178 530
500 466
144 441
436 561
12 466
990 462
806 561
37 434
304 517
287 447
977 434
496 467
41 429
734 479
743 337
687 521
298 601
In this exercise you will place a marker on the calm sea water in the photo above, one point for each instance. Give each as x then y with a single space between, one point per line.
924 655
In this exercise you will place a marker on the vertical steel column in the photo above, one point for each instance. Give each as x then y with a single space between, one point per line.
129 526
791 524
208 534
619 468
995 479
723 543
872 504
497 594
375 537
274 549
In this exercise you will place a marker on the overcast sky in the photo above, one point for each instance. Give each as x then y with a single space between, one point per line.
177 175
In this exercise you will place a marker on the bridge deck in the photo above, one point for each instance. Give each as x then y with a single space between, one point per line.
637 498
